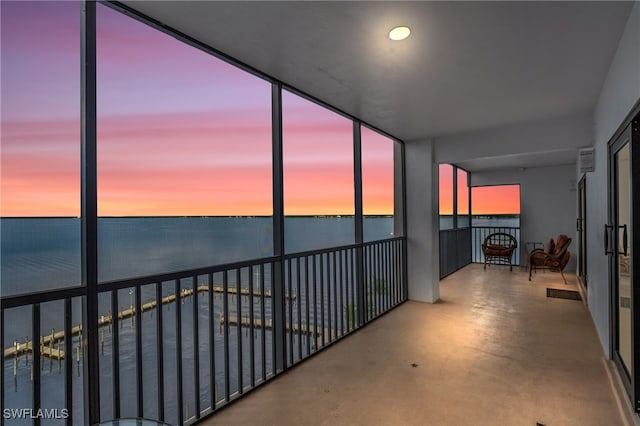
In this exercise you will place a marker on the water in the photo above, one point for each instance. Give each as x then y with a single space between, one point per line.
44 253
496 221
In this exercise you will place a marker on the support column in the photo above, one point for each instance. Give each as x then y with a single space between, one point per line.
423 242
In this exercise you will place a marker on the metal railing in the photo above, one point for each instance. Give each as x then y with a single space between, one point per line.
479 233
455 249
176 347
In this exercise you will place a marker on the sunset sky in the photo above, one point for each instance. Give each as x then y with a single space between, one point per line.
445 193
485 200
179 131
377 173
500 199
40 109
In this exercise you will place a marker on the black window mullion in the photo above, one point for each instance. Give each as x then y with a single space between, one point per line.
89 208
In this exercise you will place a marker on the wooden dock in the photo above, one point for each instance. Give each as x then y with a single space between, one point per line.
268 325
47 342
25 348
243 291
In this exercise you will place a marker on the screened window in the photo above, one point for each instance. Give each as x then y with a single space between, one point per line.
446 196
40 170
496 202
318 175
463 198
184 154
377 185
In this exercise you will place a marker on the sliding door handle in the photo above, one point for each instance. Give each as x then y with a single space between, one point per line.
625 239
606 239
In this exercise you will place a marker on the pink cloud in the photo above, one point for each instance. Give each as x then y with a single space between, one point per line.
179 131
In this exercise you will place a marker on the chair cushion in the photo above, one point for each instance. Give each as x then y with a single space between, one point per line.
537 258
496 250
561 242
551 246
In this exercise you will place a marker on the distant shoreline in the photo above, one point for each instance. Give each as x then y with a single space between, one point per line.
485 215
201 217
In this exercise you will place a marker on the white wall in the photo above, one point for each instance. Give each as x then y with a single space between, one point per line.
547 203
620 92
422 222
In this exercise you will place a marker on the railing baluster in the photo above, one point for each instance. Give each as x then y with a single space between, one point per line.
380 273
306 297
392 273
398 251
137 314
160 351
354 308
212 345
115 355
371 273
383 277
379 292
366 285
335 295
274 359
383 281
315 303
252 355
68 364
35 328
329 315
264 325
196 349
340 256
289 297
225 314
378 277
388 273
299 307
179 396
322 323
239 331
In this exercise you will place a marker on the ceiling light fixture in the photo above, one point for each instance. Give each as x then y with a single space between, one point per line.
399 33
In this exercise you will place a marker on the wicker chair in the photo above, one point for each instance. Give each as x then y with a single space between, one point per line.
498 248
555 257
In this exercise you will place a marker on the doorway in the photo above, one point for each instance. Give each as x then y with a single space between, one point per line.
582 234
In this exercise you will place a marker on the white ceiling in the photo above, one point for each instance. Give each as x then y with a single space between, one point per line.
466 66
558 157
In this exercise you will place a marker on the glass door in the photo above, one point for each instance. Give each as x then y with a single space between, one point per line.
619 246
622 255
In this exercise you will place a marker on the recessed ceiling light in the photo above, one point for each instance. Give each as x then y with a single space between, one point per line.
399 33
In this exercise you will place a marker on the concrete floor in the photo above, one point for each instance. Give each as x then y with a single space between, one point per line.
494 351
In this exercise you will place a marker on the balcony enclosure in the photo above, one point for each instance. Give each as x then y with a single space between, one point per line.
199 196
204 230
